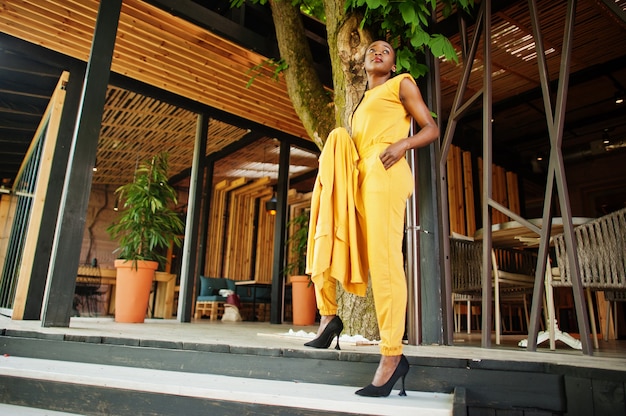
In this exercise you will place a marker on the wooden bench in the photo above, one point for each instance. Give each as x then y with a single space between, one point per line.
213 309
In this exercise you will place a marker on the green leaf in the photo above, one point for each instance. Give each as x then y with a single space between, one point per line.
420 38
418 70
374 4
441 46
147 222
408 12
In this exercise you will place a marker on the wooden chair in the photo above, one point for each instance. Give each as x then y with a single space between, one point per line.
514 278
512 271
611 297
601 253
88 293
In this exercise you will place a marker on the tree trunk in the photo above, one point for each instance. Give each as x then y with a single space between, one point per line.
312 102
347 43
319 113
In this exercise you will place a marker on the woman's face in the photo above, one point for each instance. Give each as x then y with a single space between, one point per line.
380 58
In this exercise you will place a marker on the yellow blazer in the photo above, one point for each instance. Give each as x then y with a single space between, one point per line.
336 246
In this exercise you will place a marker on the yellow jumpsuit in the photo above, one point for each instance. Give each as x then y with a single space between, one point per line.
337 252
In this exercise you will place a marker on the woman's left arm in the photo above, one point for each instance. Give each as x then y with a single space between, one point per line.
411 98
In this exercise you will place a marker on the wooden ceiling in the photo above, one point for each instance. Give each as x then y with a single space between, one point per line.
598 73
165 51
168 52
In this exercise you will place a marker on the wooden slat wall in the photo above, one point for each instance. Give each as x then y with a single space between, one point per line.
468 191
512 188
455 191
264 244
499 193
232 229
240 229
461 194
163 50
217 223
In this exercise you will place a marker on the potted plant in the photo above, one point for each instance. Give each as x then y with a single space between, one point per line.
147 224
304 307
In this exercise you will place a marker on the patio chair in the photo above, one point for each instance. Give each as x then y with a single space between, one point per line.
88 293
210 303
512 272
601 253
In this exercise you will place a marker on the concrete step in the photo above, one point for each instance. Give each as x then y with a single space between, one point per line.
121 390
12 410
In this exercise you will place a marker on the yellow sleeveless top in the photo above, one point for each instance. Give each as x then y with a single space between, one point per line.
381 117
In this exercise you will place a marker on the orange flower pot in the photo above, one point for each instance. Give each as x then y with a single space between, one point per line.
132 290
303 301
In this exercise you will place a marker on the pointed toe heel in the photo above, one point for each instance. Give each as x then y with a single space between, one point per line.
383 391
332 330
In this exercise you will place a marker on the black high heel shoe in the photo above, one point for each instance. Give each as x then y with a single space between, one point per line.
334 328
383 391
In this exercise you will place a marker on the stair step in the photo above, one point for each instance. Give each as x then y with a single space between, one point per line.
13 410
226 389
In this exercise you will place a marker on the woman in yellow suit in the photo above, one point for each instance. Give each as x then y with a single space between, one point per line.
357 210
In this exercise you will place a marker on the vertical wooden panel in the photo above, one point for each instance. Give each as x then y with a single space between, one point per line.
505 191
265 243
468 190
513 192
241 229
217 223
238 219
480 181
499 192
455 191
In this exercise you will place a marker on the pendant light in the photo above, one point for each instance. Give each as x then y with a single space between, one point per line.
271 205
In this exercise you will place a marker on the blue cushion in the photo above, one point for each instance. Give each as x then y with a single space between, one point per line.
206 286
215 298
211 286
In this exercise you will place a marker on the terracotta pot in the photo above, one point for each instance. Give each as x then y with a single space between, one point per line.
132 290
303 301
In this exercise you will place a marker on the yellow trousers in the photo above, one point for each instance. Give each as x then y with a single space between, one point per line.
381 204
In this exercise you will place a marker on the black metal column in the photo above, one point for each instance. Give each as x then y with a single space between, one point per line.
278 265
190 248
487 290
41 258
432 287
77 187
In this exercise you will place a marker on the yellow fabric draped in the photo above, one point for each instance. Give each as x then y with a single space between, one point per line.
335 245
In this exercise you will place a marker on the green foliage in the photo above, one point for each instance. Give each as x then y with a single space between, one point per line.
276 66
313 8
406 24
147 223
297 242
